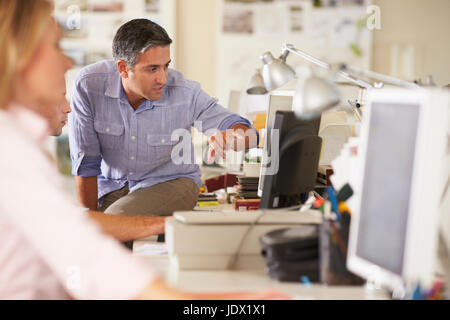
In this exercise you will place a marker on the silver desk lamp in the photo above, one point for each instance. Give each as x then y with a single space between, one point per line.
315 94
256 84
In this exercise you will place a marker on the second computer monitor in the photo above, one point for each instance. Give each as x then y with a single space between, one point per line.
394 230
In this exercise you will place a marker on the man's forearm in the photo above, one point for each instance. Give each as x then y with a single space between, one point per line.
125 228
87 191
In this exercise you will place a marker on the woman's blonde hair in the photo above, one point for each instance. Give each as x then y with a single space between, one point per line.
22 25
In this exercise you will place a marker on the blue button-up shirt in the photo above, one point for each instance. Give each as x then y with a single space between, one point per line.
120 145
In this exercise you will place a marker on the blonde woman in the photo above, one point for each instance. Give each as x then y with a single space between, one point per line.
50 249
39 87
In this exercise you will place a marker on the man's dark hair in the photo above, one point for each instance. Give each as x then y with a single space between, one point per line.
137 36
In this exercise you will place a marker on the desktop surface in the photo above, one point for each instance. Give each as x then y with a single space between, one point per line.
242 280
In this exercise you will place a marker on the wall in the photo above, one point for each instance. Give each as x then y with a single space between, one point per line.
413 41
196 41
416 31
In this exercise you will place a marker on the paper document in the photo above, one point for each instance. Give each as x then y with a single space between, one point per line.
142 248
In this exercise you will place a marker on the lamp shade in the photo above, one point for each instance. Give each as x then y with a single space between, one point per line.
314 96
275 72
256 84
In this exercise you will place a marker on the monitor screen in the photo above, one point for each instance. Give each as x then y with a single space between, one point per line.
296 152
386 193
276 103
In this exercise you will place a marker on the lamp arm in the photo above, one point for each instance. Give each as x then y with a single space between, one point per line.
378 76
290 48
359 82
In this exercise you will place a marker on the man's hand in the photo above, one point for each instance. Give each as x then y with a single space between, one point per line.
239 137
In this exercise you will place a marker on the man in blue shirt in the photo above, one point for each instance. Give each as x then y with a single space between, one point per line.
130 125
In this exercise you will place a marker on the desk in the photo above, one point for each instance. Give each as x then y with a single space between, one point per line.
245 280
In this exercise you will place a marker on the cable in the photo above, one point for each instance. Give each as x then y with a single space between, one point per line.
235 256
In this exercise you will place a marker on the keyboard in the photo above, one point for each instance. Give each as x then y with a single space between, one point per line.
248 217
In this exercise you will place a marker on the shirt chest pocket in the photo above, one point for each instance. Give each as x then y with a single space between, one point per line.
109 134
160 147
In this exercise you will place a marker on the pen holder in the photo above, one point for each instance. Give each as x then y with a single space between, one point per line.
333 253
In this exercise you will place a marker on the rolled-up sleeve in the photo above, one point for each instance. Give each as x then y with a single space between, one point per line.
84 144
88 167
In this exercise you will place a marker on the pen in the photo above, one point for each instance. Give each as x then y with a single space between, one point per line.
333 200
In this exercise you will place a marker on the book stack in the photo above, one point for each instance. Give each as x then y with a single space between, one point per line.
207 200
247 194
248 187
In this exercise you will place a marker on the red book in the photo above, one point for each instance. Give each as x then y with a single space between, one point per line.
221 182
248 204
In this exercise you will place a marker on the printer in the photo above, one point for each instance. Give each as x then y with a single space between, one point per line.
219 240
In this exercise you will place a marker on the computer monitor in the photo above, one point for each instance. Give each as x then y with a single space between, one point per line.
394 228
268 166
294 152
